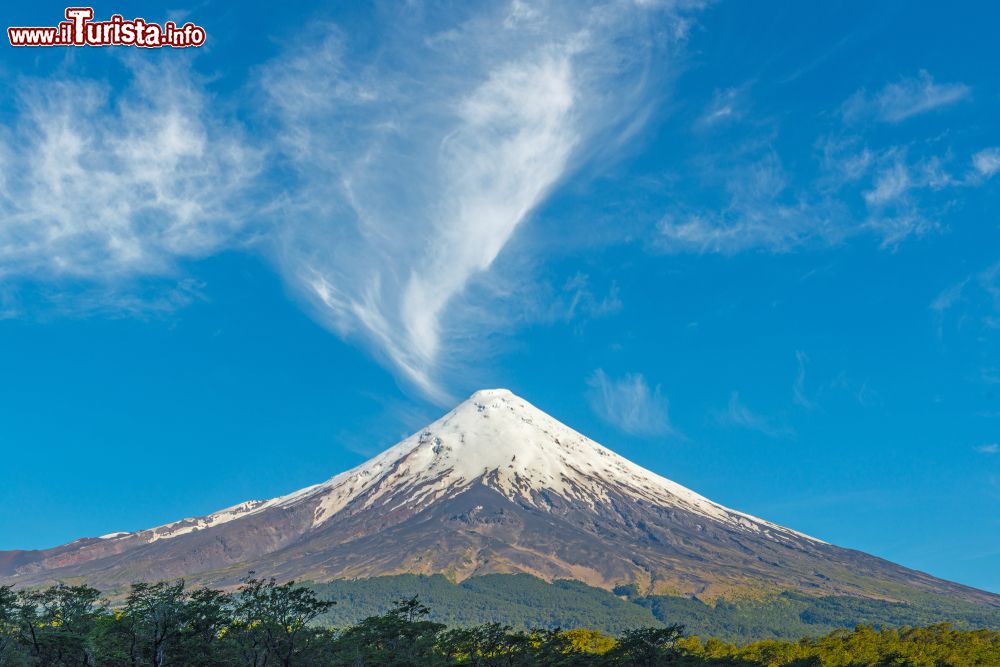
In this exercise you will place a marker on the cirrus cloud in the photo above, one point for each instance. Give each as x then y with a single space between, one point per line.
629 404
903 99
107 187
409 181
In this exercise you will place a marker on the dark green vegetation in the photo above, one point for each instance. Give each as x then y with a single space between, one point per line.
523 602
264 623
790 615
519 600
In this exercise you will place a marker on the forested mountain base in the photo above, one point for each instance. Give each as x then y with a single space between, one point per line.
523 602
519 600
264 623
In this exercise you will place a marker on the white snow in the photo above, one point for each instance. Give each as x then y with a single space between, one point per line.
523 450
192 524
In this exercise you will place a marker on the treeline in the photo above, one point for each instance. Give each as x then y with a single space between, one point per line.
525 602
518 600
265 624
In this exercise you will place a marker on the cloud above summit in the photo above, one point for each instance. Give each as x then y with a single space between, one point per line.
413 172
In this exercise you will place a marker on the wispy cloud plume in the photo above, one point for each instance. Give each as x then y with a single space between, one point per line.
908 97
629 404
991 448
411 179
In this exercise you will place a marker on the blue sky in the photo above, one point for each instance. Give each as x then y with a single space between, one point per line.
752 247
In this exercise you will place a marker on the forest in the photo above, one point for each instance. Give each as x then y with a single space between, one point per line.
264 623
526 602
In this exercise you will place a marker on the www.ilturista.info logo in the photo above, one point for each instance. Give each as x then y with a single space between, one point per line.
79 29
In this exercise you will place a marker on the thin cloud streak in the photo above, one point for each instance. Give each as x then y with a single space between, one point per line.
738 415
908 97
629 404
799 386
727 106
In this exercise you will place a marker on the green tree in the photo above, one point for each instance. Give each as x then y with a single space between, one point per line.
400 638
56 625
585 640
10 648
153 619
207 614
270 623
647 647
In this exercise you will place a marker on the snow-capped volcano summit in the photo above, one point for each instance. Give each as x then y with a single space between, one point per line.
494 486
500 441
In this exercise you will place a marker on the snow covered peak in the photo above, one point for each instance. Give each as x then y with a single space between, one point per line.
485 394
499 440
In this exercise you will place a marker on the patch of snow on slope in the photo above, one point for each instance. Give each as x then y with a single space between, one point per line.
185 526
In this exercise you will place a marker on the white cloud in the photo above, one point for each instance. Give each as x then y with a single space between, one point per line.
893 214
894 193
764 210
522 13
578 299
845 160
739 415
896 228
704 232
799 387
891 185
948 297
760 213
987 161
726 106
414 172
972 308
895 200
908 97
105 188
629 404
991 448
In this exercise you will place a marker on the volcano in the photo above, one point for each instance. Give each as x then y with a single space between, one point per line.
494 486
